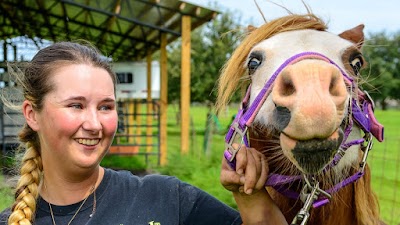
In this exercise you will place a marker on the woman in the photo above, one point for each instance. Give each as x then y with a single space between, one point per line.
71 119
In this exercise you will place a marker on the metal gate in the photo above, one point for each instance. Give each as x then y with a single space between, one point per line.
138 129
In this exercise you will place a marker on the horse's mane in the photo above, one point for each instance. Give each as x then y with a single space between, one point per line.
233 70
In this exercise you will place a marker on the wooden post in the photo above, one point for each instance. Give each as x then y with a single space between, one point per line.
138 122
163 99
149 118
131 121
185 84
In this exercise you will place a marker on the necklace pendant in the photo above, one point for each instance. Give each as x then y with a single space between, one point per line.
91 215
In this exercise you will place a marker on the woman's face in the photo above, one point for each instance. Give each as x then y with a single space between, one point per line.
79 118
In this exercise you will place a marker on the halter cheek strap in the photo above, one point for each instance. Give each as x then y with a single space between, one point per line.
363 115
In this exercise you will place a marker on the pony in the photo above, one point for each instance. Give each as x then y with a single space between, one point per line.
306 112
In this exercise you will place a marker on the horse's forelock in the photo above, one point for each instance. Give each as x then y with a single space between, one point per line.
234 69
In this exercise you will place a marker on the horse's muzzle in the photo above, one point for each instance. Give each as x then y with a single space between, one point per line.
311 156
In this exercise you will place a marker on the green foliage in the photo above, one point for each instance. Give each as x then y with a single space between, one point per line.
383 73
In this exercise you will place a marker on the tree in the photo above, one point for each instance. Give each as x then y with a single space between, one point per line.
382 52
211 46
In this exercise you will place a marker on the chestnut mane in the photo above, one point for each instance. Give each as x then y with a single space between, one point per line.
233 70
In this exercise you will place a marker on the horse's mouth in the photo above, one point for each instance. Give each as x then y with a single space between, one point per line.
311 156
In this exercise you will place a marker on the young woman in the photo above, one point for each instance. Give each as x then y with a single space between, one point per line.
71 119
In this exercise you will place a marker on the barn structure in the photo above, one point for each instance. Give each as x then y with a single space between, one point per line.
124 30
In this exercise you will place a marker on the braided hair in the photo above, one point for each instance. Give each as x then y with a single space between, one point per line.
34 80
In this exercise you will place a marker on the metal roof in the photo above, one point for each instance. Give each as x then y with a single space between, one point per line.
125 30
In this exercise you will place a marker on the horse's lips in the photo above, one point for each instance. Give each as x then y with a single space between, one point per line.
310 156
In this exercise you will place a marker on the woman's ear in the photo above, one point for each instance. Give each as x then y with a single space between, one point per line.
30 115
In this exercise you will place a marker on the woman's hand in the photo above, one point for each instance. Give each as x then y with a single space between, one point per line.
250 174
247 183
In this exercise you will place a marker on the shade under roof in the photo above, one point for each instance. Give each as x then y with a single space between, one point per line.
126 30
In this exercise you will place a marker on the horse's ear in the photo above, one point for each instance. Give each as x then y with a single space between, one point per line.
355 35
251 28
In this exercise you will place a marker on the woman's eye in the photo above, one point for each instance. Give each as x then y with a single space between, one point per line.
253 64
76 106
106 107
356 63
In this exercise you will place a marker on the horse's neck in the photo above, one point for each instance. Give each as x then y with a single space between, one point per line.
337 211
354 204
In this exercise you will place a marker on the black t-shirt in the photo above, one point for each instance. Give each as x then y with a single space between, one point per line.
125 199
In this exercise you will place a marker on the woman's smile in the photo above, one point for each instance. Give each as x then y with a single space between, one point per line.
87 141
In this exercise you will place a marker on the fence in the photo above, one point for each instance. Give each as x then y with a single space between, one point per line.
137 134
384 160
138 129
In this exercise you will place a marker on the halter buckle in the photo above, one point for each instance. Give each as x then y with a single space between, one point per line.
238 133
366 150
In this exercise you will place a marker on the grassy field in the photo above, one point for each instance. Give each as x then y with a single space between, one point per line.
202 168
384 160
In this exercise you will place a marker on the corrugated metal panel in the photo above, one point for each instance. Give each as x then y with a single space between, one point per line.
123 29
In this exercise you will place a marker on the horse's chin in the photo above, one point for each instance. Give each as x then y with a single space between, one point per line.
311 156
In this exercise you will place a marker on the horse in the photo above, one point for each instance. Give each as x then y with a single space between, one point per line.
306 112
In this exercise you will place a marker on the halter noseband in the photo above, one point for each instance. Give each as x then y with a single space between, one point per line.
362 113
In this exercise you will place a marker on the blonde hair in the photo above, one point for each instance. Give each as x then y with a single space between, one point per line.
35 83
234 69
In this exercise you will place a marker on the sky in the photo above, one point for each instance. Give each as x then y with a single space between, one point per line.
376 15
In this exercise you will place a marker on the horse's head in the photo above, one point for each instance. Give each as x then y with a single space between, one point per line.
303 80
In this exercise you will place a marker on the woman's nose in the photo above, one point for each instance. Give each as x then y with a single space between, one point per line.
91 121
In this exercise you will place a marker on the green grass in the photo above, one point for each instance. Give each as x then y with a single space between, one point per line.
384 160
202 170
6 195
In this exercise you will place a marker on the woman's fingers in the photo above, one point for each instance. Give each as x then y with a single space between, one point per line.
241 158
254 171
251 171
229 178
264 172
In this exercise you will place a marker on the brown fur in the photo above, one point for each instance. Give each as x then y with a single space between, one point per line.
355 204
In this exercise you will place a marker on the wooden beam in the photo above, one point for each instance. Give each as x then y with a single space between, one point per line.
108 24
149 120
185 84
163 99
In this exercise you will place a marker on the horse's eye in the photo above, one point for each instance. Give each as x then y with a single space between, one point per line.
253 64
356 62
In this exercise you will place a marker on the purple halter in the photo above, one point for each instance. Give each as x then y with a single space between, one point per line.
362 114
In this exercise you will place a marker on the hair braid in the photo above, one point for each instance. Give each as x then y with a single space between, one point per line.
24 208
35 82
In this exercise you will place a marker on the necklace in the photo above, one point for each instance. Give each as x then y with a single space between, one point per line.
92 190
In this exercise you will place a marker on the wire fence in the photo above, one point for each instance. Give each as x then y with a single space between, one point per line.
385 167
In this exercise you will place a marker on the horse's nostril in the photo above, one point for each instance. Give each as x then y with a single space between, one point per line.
281 117
287 85
334 86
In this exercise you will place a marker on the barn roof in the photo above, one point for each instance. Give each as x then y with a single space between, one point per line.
126 30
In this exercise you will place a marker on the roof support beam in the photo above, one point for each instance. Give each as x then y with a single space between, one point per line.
149 110
46 19
163 99
131 20
110 21
185 84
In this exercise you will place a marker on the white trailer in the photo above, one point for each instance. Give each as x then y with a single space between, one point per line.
132 78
